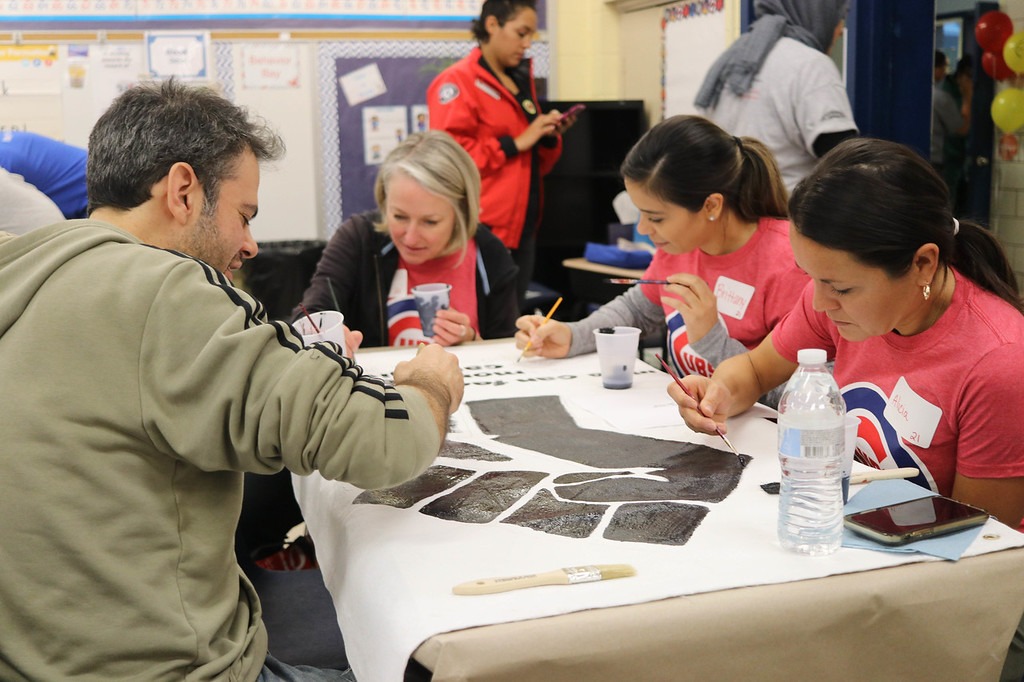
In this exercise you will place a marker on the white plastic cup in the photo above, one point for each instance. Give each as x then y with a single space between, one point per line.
617 354
429 299
331 324
851 424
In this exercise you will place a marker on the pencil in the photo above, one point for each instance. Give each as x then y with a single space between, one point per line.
679 383
546 318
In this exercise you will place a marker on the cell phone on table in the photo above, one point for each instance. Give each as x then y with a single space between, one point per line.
928 517
574 109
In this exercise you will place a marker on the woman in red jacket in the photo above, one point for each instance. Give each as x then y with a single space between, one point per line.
488 102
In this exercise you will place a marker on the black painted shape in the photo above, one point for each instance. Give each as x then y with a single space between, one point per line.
701 473
429 483
484 498
589 476
661 523
546 513
456 450
541 424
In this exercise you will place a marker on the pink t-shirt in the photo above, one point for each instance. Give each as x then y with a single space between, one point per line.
946 400
403 321
755 285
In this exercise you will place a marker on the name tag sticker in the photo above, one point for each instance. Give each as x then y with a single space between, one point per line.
733 297
914 418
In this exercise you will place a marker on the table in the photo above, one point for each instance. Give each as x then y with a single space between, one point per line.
727 604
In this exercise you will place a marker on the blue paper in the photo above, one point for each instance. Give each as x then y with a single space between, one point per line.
882 493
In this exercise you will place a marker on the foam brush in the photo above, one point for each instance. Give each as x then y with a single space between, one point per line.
563 576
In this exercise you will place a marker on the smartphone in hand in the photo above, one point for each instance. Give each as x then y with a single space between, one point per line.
574 110
928 517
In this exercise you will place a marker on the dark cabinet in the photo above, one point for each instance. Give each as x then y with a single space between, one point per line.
579 190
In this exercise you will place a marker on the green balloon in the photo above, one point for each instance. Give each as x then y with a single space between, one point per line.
1008 109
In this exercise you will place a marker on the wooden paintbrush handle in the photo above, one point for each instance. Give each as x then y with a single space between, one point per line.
493 585
883 474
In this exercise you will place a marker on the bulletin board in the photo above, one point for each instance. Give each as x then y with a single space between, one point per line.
694 34
31 15
288 77
406 69
369 129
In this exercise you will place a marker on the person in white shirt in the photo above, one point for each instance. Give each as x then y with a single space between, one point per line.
777 83
25 207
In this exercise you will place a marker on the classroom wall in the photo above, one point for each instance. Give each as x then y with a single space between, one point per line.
588 57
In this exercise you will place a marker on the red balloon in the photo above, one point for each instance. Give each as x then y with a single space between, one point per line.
995 65
992 30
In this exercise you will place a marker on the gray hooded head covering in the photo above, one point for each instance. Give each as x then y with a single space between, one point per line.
812 22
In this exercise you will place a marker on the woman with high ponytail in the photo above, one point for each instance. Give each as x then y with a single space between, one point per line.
715 207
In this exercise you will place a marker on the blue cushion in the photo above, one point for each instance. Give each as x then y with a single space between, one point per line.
613 255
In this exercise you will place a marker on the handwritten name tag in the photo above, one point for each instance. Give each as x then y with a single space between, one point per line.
733 297
914 418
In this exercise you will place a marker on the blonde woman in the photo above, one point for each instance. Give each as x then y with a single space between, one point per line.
425 230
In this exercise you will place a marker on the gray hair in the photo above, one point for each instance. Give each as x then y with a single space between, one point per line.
439 165
152 126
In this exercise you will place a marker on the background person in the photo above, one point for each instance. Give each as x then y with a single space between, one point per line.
777 83
714 206
908 302
24 207
55 168
951 121
960 86
121 497
426 230
488 102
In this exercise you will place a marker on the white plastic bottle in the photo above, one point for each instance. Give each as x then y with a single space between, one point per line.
811 435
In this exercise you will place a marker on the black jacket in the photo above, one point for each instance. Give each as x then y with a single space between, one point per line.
359 264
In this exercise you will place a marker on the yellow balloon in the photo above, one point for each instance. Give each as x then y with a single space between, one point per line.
1008 109
1013 52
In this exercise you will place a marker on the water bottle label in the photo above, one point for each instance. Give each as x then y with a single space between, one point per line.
812 442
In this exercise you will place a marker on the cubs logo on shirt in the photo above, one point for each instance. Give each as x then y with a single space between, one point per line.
404 327
447 92
878 443
681 353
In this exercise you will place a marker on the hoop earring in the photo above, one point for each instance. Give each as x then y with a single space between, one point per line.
926 290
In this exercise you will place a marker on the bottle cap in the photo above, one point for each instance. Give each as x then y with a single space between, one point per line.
811 356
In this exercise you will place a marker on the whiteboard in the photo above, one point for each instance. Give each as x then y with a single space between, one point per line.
694 35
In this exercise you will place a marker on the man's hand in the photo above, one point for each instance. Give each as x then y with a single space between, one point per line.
436 373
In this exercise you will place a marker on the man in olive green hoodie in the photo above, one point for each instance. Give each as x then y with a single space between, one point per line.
138 385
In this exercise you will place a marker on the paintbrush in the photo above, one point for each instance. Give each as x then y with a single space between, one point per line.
630 280
883 475
334 297
308 317
679 383
546 318
858 478
563 576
